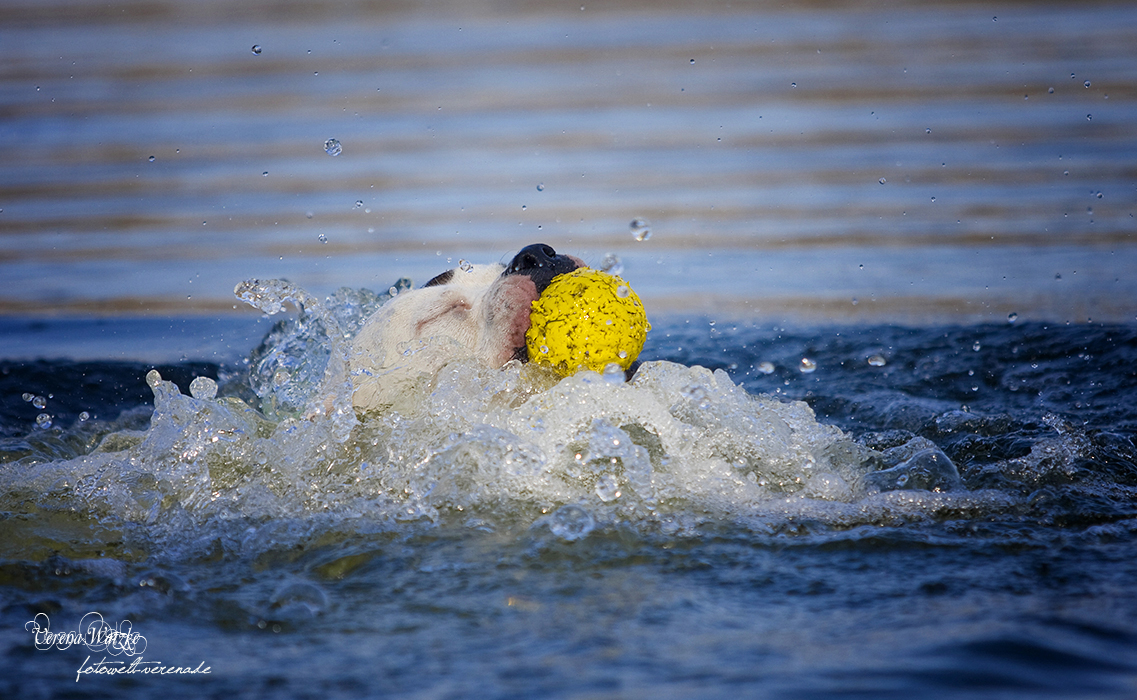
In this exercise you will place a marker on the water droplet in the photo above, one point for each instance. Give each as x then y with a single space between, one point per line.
1098 195
765 367
612 264
84 416
544 349
1051 91
928 130
43 421
264 174
203 388
692 61
622 291
623 354
1065 172
807 366
933 199
358 203
332 147
793 85
607 488
1087 83
540 187
323 238
309 214
613 373
257 49
571 522
1057 275
1012 317
465 265
1089 117
39 402
151 159
877 361
641 229
976 346
281 377
882 181
393 292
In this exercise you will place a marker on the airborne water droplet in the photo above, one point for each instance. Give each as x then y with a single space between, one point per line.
43 420
257 49
332 147
612 264
882 181
877 361
641 229
807 365
203 388
1012 317
323 238
84 416
39 402
766 367
465 266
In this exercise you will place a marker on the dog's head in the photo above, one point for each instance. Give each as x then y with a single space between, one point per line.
482 310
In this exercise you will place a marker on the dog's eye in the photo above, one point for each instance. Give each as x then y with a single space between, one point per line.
444 278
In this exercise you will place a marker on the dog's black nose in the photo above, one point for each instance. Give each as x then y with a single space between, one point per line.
532 256
541 263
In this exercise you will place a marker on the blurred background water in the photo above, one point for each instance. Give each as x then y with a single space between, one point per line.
799 160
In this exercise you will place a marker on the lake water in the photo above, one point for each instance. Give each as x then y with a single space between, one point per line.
902 237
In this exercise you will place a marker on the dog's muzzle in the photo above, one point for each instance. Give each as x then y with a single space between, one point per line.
541 263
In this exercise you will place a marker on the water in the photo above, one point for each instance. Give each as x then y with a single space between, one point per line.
883 446
968 531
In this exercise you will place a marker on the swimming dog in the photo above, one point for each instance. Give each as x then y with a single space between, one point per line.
480 311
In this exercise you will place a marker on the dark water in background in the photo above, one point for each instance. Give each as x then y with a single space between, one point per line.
754 138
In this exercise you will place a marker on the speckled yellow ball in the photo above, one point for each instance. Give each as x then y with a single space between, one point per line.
586 319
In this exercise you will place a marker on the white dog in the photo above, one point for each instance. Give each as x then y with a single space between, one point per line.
480 311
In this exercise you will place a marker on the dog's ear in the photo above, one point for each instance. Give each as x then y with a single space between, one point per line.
439 280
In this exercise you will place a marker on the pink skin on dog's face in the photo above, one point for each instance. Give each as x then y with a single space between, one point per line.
507 319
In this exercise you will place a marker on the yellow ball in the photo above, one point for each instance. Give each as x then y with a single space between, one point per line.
586 319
